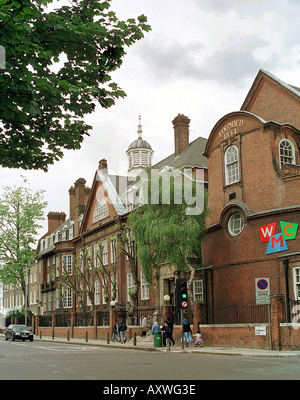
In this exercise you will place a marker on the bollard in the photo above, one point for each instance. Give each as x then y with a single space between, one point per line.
68 335
107 339
134 338
52 334
40 334
86 336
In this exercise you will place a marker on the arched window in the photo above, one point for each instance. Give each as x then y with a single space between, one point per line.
232 165
236 224
286 153
101 210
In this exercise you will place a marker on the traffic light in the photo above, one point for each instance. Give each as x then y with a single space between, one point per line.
181 293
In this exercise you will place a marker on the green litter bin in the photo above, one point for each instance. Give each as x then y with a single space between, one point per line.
157 339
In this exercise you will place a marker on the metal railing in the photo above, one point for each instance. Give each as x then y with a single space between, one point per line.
238 314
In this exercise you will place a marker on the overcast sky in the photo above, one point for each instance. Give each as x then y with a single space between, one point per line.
200 60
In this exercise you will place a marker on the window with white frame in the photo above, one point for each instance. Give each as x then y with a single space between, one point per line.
232 174
114 282
286 152
67 263
144 288
113 250
198 291
236 224
57 265
67 293
89 258
49 302
88 300
101 210
97 292
44 302
96 255
105 252
81 261
297 283
130 285
104 289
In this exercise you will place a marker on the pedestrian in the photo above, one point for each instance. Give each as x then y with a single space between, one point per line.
171 326
155 328
187 333
168 335
144 326
198 339
163 330
122 330
115 332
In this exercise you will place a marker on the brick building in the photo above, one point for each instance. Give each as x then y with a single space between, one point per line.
90 238
55 251
254 197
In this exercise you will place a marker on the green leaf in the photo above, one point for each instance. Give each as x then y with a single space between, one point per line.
46 103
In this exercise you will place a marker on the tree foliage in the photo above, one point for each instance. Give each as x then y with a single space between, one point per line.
165 231
43 99
20 213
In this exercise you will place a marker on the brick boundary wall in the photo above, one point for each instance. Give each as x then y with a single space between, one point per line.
284 336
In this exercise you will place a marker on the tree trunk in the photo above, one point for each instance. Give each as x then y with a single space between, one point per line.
134 292
189 286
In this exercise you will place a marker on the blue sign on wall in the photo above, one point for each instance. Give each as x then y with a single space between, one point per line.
276 244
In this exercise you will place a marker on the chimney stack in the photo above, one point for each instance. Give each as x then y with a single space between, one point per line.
80 200
181 133
55 219
103 166
72 202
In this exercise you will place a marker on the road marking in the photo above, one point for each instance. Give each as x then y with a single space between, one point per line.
67 348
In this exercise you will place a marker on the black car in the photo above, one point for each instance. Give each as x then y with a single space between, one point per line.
21 332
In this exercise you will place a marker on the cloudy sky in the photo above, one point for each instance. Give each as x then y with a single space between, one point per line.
200 60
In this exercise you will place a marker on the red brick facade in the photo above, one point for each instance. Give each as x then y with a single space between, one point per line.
253 173
247 178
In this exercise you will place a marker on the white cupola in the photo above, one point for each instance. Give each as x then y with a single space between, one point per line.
139 153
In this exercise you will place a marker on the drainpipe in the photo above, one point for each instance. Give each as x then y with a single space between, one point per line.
286 270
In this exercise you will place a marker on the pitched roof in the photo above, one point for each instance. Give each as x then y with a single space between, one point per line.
190 157
292 89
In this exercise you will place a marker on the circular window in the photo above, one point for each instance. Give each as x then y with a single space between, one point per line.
235 224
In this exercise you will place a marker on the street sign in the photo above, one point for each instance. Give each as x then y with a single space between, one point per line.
184 304
260 331
262 290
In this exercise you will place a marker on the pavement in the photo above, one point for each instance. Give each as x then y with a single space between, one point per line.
144 344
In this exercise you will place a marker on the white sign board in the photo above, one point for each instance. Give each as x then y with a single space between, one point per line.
262 290
260 331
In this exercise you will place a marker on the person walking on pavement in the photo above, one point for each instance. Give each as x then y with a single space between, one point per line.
155 328
198 339
122 330
115 332
187 333
144 325
163 329
171 326
168 335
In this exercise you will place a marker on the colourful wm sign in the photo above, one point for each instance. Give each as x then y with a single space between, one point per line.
277 242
